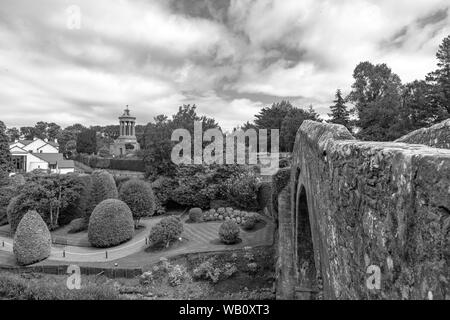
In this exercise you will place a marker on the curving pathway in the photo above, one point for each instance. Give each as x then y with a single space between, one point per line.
201 237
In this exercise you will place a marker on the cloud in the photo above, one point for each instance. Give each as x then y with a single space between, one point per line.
229 57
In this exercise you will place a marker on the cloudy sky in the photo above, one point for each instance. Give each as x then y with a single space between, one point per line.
230 57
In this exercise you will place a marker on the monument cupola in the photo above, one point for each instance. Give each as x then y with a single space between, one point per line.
127 124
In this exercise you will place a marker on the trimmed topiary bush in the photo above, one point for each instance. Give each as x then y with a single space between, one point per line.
196 215
32 241
229 232
168 229
78 225
110 224
250 222
139 197
103 187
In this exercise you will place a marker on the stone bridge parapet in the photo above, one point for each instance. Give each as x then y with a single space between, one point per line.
369 220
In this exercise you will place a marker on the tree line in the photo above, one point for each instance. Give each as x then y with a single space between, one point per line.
379 107
384 109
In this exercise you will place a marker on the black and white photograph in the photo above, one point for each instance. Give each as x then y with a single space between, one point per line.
230 156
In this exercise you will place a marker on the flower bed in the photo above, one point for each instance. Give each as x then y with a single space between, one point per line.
224 214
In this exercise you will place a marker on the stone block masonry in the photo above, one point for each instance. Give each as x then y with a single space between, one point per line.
358 207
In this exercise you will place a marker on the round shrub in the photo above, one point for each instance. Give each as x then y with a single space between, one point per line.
103 187
168 229
195 215
250 223
229 232
77 225
110 224
139 197
32 241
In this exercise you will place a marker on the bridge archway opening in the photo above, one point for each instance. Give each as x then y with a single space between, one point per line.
307 285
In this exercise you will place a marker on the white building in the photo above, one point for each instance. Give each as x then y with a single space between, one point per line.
37 154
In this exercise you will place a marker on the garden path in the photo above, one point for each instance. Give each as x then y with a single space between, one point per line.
198 237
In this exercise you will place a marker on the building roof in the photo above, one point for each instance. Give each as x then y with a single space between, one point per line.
64 164
51 158
25 142
53 144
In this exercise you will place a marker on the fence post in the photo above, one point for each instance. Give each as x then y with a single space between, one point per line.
106 254
64 253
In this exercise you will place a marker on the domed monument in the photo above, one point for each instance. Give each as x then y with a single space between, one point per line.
127 142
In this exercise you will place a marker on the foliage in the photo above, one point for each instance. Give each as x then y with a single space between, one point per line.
291 123
241 190
375 88
6 194
110 224
78 225
265 195
213 271
439 80
67 138
79 205
103 187
250 222
178 274
339 111
168 229
87 141
139 196
32 240
195 186
195 214
5 155
16 287
97 162
229 232
157 142
162 187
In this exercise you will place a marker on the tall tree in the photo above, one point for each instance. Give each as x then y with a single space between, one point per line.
339 111
69 133
53 131
40 130
87 142
376 94
440 78
13 134
272 117
5 155
290 125
27 133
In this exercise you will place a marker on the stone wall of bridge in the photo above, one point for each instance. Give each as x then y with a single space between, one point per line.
362 209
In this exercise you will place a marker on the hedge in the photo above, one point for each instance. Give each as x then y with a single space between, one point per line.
103 187
110 224
113 164
32 241
139 197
